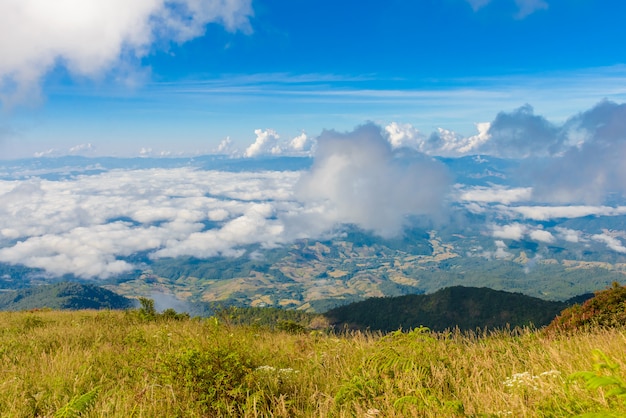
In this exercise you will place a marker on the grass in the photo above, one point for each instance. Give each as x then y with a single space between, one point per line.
120 364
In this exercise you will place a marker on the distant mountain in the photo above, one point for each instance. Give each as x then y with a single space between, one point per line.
65 295
465 307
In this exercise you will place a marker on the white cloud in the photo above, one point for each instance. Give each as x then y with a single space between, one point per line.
443 142
82 149
47 153
500 194
542 236
404 135
88 224
225 147
514 231
267 142
302 143
569 235
611 242
89 37
471 144
545 213
217 215
357 178
589 171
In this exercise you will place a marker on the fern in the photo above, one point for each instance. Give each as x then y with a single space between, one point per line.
595 380
605 376
77 405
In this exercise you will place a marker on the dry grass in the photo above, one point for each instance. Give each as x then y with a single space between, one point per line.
113 364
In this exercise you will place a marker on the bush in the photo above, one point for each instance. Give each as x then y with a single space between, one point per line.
606 309
213 379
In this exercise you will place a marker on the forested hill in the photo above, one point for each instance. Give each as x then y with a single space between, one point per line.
466 307
65 295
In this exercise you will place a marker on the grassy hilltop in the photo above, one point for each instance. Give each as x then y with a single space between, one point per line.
140 363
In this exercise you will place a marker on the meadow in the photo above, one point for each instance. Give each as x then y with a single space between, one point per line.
141 364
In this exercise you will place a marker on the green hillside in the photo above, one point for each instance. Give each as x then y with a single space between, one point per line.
61 296
465 307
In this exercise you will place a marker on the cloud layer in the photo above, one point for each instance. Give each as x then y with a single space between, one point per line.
89 225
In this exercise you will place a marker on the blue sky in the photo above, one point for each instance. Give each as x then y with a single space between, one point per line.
163 78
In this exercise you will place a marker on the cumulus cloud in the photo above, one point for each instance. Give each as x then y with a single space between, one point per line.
442 142
514 231
542 236
267 142
90 37
225 147
404 135
302 144
576 162
449 143
357 178
521 134
590 170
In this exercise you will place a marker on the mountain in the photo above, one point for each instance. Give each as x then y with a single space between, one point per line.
65 295
467 308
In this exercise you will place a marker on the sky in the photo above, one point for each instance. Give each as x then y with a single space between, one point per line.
253 77
371 91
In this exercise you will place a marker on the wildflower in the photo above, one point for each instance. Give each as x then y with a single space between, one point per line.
525 379
270 369
551 373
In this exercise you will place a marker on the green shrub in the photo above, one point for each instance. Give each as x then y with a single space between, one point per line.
213 379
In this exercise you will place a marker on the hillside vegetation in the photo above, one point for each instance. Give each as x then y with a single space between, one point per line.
467 308
142 364
64 295
606 309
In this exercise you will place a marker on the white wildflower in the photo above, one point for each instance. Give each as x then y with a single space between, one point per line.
265 369
526 379
372 412
551 373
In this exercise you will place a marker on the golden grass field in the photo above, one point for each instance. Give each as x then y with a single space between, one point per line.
123 364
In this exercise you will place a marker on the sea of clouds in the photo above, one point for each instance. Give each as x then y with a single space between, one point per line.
89 224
